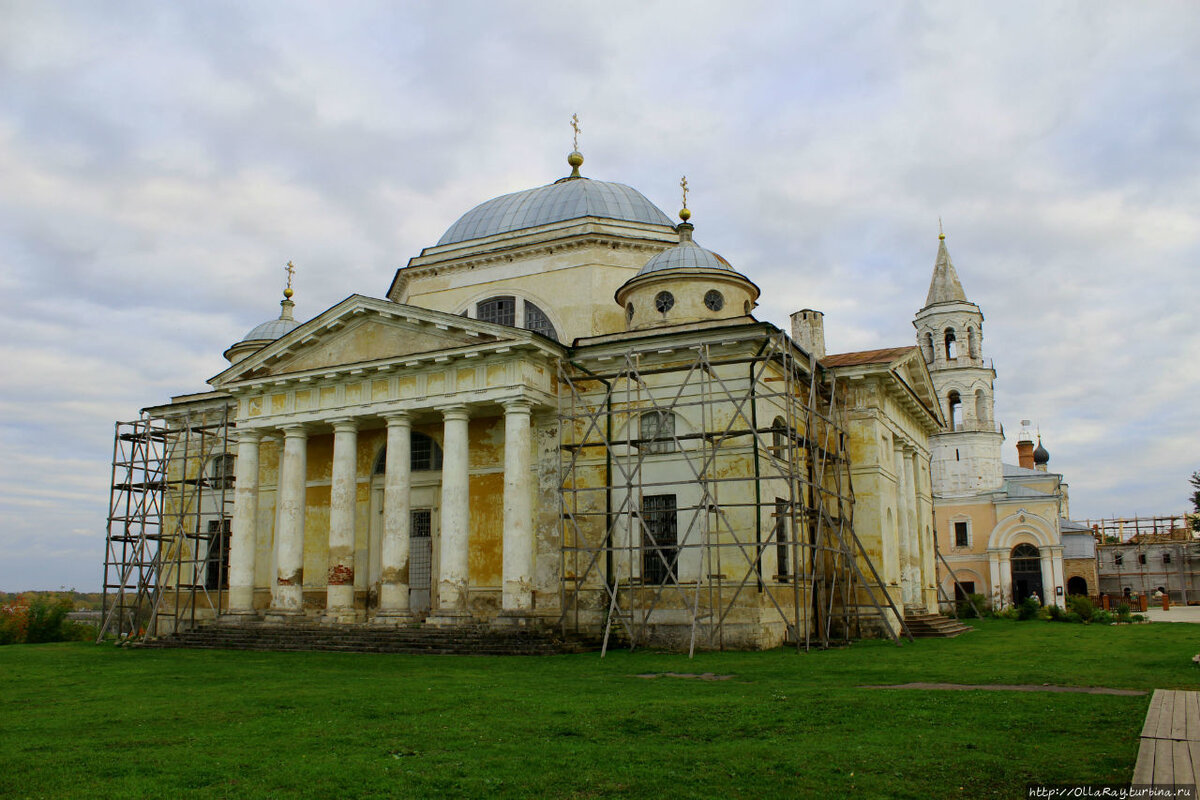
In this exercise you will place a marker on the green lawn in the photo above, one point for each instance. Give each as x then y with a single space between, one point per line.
80 720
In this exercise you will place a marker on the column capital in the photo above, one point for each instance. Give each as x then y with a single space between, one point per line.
457 411
518 405
343 424
399 417
297 430
248 435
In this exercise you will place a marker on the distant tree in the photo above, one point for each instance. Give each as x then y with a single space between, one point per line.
1195 482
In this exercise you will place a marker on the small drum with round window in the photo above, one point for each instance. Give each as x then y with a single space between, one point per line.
664 302
714 300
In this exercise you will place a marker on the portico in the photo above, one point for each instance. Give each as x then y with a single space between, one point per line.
326 424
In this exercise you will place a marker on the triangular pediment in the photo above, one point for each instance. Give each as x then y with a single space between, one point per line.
366 330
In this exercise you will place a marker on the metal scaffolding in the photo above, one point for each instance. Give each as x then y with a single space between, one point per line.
706 488
170 506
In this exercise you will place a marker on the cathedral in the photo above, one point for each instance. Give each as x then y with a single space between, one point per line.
1002 529
565 414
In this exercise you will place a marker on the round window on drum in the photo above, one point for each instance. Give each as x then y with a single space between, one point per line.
664 302
714 300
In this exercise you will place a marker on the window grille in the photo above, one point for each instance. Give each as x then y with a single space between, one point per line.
537 321
658 432
500 310
660 544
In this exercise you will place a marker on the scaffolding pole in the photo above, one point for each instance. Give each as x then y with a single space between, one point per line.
167 538
706 488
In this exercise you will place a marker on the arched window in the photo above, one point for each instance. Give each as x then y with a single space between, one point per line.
423 451
219 471
1026 558
981 414
954 407
927 348
972 343
537 321
500 310
951 345
657 431
779 438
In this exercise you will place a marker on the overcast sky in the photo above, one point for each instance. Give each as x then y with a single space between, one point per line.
161 162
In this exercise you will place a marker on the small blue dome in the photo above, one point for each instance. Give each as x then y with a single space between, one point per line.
569 198
271 329
686 255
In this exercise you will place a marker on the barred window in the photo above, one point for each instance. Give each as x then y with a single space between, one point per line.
220 471
657 432
660 543
426 455
216 571
500 310
537 321
782 556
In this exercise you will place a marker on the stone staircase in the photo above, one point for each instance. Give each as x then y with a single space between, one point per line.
479 640
933 626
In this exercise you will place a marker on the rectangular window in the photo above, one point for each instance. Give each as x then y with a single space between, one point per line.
1166 558
1141 558
216 571
960 535
1118 559
783 557
420 551
660 543
657 432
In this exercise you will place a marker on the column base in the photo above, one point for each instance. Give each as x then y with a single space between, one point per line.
283 616
449 618
393 619
517 620
339 616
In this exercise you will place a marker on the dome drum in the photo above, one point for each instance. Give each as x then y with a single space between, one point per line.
685 295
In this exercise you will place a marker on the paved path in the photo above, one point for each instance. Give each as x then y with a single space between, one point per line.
1176 614
1169 753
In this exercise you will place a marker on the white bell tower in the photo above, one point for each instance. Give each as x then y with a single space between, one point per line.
966 456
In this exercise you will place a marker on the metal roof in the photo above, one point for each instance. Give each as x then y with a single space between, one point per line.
686 255
271 329
566 199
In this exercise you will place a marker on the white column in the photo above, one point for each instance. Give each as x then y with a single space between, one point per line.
1006 590
1047 593
906 588
397 520
995 592
455 516
914 531
1056 557
287 595
518 509
245 524
343 498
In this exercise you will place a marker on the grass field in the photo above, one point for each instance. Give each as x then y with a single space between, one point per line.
80 720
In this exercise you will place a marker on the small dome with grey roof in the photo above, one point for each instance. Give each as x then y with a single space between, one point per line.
686 255
271 329
567 198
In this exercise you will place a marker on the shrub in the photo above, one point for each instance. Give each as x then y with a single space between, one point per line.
38 618
1102 617
1007 613
1138 618
1073 617
1123 612
1028 609
1056 614
1081 606
968 605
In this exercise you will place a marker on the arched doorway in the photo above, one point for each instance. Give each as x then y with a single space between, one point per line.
1077 586
1026 572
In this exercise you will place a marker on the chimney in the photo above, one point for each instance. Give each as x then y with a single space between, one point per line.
1025 446
808 331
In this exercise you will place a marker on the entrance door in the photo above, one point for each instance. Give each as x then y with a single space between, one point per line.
1026 573
420 560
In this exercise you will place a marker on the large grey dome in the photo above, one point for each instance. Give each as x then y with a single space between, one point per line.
566 199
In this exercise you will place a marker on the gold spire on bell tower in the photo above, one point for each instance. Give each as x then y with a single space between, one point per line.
575 159
291 270
684 213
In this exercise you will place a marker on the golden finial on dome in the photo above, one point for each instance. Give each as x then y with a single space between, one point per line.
291 270
575 159
684 213
941 234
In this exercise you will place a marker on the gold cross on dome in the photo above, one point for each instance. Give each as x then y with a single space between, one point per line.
575 127
291 270
683 185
